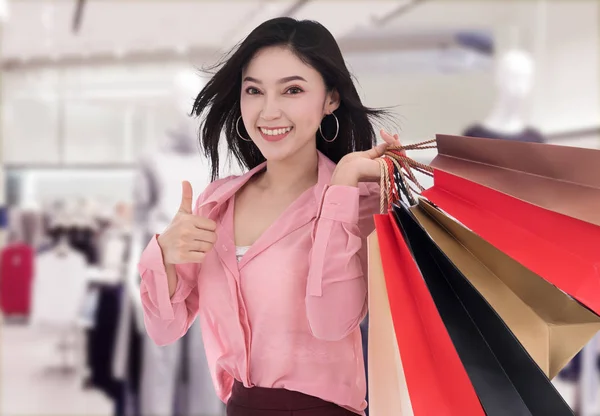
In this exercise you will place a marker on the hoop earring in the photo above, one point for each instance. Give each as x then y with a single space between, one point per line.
337 130
237 130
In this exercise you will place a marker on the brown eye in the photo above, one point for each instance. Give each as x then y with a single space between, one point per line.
294 90
252 91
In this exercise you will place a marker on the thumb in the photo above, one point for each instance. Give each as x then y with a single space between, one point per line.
376 151
187 194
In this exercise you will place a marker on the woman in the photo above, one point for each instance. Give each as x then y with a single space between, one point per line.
273 262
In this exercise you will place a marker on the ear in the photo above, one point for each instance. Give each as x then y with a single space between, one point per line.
332 102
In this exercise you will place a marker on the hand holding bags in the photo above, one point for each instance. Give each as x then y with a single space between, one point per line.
503 266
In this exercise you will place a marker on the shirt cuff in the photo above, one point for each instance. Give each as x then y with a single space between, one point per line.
341 203
182 290
152 259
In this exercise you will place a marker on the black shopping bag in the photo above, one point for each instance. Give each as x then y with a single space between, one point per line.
507 380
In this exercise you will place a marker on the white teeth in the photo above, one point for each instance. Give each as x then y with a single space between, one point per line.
275 132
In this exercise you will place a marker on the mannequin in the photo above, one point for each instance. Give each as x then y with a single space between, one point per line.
160 173
514 81
157 197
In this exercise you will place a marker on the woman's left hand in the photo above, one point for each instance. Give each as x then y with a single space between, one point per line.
362 166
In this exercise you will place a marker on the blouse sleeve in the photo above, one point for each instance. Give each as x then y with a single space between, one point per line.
336 300
168 318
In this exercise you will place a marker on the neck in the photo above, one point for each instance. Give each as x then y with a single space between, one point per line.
292 174
507 115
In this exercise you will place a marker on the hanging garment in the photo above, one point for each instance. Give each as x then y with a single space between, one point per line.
101 341
112 248
56 231
127 359
364 332
159 377
202 398
153 379
134 370
83 239
59 288
589 382
16 274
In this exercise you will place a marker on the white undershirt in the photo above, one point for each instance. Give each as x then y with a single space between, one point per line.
240 251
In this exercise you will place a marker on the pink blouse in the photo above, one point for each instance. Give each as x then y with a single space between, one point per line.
287 315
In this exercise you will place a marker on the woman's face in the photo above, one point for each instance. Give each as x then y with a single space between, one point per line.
283 101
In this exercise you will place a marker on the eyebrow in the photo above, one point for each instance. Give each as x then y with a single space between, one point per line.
281 81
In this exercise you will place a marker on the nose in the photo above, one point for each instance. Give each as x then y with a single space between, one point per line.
270 110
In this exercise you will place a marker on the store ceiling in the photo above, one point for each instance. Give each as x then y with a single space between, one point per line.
43 30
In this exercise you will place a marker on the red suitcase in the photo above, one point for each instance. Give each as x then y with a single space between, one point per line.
16 275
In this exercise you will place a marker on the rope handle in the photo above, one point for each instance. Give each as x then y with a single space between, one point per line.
397 174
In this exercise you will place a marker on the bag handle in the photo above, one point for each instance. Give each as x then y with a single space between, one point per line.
397 174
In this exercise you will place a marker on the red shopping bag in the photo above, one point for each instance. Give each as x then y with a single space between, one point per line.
436 380
539 204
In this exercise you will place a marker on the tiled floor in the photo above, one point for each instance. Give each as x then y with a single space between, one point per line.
29 388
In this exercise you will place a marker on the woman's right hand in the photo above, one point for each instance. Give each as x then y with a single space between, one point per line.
188 237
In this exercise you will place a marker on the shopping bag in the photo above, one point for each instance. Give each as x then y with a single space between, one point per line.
388 392
436 380
538 203
507 380
550 325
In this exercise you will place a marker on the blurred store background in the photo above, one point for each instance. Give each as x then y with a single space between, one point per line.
94 142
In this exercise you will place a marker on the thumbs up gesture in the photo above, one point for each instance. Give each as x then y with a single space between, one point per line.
188 237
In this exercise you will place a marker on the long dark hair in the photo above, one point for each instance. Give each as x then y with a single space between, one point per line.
219 101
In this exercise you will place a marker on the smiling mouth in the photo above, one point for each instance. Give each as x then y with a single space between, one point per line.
274 134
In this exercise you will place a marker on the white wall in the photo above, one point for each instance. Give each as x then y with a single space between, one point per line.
566 95
430 104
